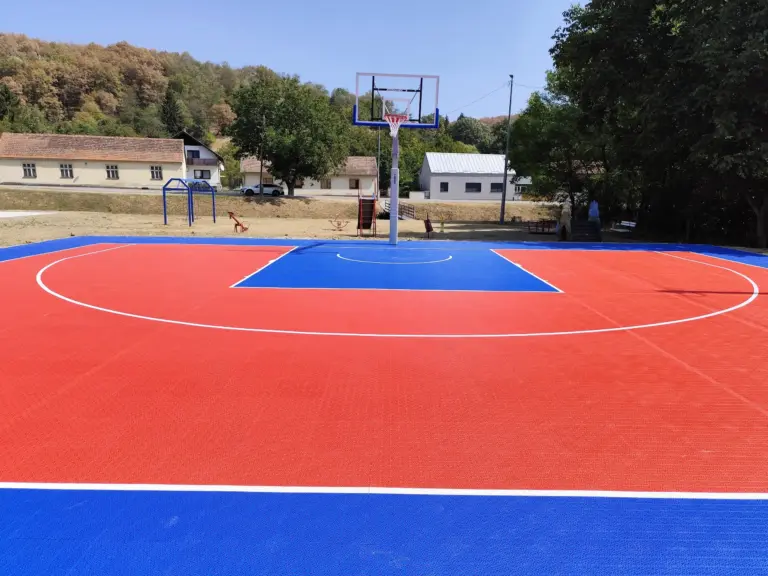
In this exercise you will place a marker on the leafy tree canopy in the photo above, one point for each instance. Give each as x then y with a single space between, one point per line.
293 127
659 110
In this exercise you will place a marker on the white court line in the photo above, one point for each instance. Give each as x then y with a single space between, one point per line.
732 261
374 262
385 491
399 290
539 278
48 252
265 266
747 302
709 263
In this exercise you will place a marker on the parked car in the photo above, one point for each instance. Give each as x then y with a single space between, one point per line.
269 190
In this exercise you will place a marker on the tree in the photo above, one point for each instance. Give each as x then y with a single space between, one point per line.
171 113
292 127
342 99
221 116
672 93
9 102
546 145
470 131
231 177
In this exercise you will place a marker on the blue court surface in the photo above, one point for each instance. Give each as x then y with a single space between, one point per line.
57 532
395 268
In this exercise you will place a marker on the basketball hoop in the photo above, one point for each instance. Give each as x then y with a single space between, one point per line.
395 121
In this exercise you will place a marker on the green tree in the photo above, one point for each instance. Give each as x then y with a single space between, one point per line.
342 99
27 119
292 127
470 131
546 145
172 113
231 177
671 94
9 102
147 123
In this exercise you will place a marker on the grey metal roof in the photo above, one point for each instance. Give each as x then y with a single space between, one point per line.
450 163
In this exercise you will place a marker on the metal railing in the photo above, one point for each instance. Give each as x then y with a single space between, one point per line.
202 161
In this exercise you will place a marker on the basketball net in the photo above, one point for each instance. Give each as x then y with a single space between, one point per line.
394 121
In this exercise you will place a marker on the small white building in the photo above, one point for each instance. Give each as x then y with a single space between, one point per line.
97 161
202 162
449 176
358 174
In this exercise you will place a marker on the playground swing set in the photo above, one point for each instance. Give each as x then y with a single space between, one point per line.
190 188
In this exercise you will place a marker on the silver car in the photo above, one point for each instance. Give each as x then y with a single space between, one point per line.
269 190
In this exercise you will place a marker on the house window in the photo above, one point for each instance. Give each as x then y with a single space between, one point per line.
473 187
112 172
268 180
193 154
443 186
156 172
66 171
30 170
202 174
497 187
520 189
354 183
325 183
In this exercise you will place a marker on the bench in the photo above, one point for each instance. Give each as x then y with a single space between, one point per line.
541 226
624 226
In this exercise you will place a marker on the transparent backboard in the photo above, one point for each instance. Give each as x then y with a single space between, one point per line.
415 95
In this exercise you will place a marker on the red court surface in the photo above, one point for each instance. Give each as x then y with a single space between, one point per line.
164 378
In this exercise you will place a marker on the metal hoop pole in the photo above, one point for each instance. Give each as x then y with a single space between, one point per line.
394 191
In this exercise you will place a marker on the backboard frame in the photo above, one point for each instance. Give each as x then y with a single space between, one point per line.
416 100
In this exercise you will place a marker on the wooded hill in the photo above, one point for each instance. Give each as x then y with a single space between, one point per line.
123 90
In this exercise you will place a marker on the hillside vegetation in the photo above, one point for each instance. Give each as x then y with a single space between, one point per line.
123 90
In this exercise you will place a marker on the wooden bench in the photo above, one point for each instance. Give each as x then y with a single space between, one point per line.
541 226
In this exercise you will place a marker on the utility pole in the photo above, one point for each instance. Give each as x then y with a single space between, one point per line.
506 152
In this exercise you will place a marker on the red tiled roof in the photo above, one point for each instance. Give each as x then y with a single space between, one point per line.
359 166
354 166
252 164
75 147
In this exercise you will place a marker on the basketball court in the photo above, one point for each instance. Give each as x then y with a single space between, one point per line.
193 406
237 406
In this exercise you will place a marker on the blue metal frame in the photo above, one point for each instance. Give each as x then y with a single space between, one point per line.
383 124
197 186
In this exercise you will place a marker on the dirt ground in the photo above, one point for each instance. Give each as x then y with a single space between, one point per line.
282 207
25 230
87 213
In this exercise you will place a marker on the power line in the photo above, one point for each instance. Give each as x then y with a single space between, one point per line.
479 99
490 94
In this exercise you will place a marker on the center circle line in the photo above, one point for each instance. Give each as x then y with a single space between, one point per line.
747 302
377 262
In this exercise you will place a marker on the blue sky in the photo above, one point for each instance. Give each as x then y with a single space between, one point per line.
472 46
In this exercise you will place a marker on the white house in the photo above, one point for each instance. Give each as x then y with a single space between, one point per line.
449 176
100 161
358 174
202 162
